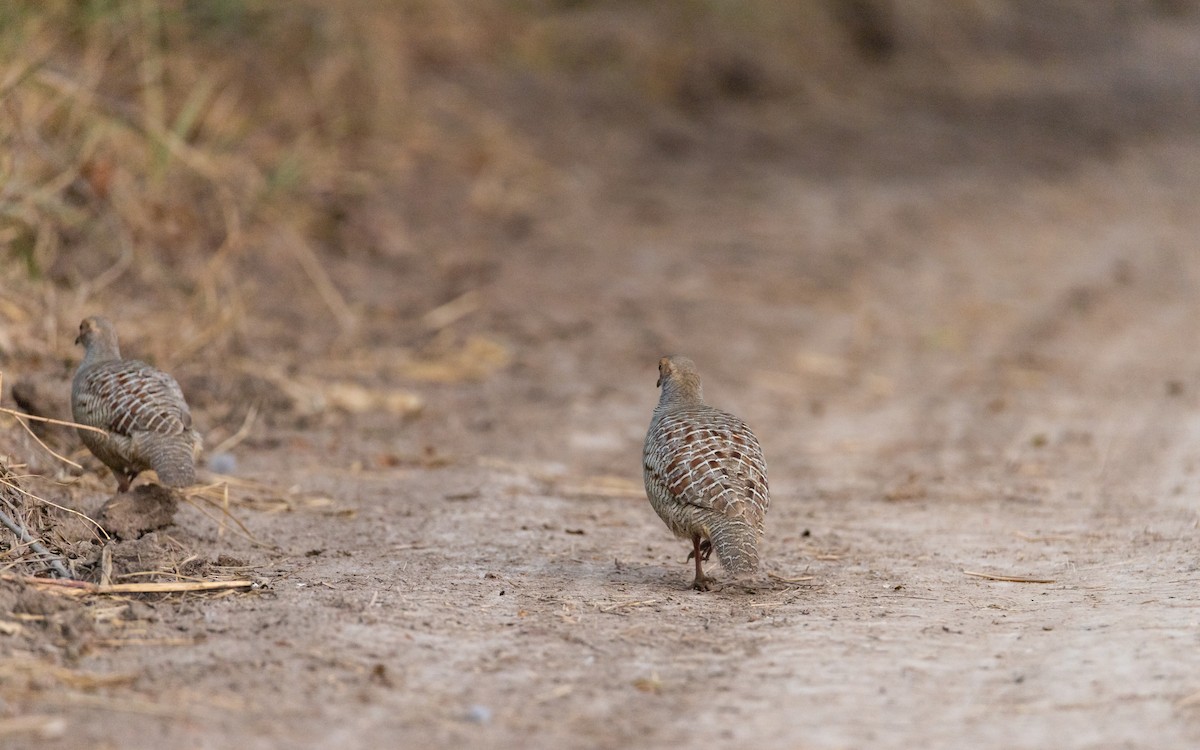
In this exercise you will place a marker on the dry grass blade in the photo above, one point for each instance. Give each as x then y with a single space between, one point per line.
80 680
155 573
120 113
113 705
477 358
81 588
47 727
451 312
233 230
126 642
281 499
799 579
1008 579
21 417
1046 537
170 587
328 292
48 420
226 320
623 605
191 499
21 74
313 396
38 440
106 565
233 440
118 267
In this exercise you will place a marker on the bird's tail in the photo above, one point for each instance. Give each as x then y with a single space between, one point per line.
173 458
736 544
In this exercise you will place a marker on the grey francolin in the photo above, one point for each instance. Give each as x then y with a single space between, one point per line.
705 473
145 420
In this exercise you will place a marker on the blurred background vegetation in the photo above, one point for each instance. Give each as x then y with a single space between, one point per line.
193 154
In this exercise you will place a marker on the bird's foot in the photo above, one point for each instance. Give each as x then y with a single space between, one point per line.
701 549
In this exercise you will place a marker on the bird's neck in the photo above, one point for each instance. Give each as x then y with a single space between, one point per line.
676 393
99 352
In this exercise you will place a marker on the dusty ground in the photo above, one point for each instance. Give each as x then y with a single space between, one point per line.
965 334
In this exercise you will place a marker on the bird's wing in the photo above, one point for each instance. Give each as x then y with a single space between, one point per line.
713 461
128 396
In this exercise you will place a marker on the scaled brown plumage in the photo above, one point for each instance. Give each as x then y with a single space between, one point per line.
145 419
705 473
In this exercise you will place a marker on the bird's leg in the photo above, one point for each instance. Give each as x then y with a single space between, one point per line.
123 481
705 550
702 581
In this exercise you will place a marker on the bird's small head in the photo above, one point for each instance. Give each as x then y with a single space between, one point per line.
97 334
678 379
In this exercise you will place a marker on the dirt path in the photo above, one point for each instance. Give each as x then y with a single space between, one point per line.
984 367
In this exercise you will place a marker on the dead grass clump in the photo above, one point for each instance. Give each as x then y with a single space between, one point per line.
168 157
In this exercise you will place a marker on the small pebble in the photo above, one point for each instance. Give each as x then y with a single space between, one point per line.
478 714
223 463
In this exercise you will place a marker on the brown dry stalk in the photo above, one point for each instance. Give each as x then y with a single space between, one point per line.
23 415
118 267
622 605
106 565
123 642
160 587
45 726
115 705
242 432
1009 579
192 498
449 313
226 319
800 579
45 447
308 261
